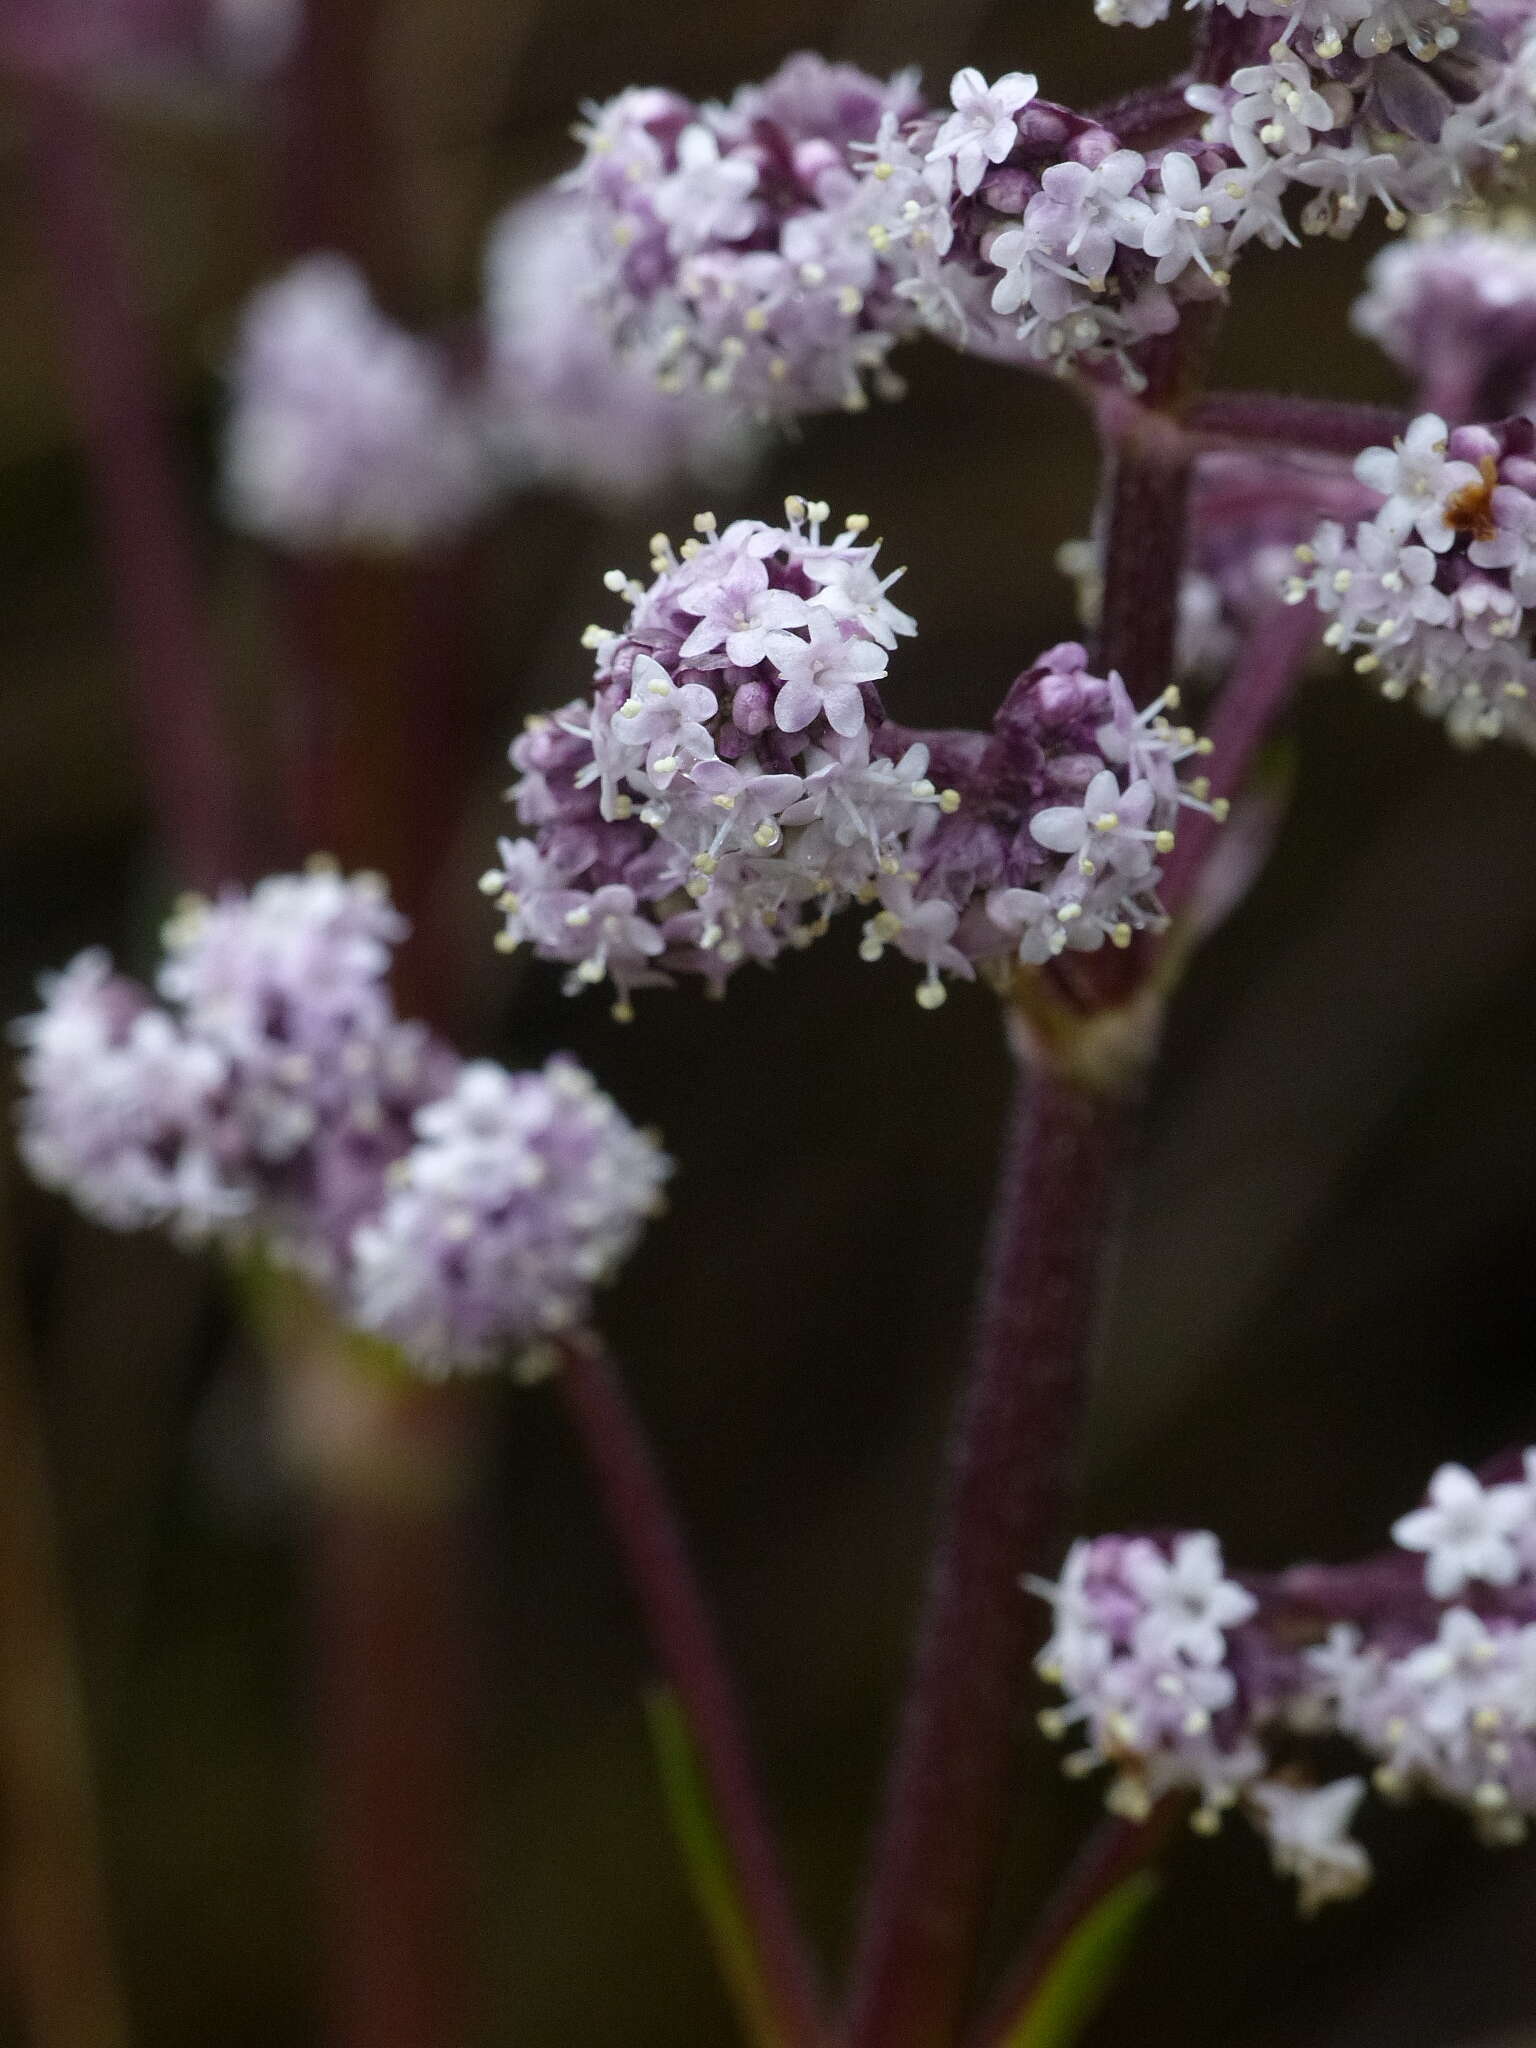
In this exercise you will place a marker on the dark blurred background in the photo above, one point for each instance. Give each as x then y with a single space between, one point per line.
1329 1278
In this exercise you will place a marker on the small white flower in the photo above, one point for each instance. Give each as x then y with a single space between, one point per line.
982 129
1467 1531
1415 478
1189 1600
1309 1838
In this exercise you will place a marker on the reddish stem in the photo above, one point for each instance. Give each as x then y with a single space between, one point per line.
682 1635
1148 461
1253 697
1007 1491
1322 425
156 579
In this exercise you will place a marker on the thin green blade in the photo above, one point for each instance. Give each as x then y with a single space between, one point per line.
708 1863
1084 1971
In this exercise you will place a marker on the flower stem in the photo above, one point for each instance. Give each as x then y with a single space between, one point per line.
677 1619
1322 425
54 1898
156 579
1007 1491
1149 457
1252 698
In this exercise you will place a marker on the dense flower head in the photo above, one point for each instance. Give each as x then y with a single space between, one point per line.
1458 312
727 786
728 245
1065 810
1404 102
1027 230
273 1098
117 1100
1183 1679
521 1194
734 781
1431 594
1140 1645
345 431
564 402
266 1096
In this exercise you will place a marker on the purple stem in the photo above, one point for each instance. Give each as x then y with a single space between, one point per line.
672 1604
1007 1490
1320 424
1114 1851
1148 460
156 579
1253 697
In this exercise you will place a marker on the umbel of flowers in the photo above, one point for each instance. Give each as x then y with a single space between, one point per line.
734 781
1431 594
773 249
273 1097
711 264
1183 1679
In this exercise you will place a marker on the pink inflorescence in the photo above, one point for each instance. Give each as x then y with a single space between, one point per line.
274 1098
1458 311
1431 595
564 403
1012 213
1184 1679
344 430
734 781
727 245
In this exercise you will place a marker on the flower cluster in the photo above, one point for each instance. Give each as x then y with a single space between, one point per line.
1088 246
1404 102
1029 230
735 781
521 1194
1433 592
275 1097
563 403
344 430
1185 1680
1140 1646
1458 312
728 246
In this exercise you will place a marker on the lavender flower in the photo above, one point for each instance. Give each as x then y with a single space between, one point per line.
1038 251
1458 311
1433 590
120 1105
564 402
736 781
1183 1679
266 1099
728 247
345 431
458 1210
521 1194
1407 103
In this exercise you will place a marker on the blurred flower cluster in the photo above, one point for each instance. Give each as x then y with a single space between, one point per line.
272 1098
1183 1679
